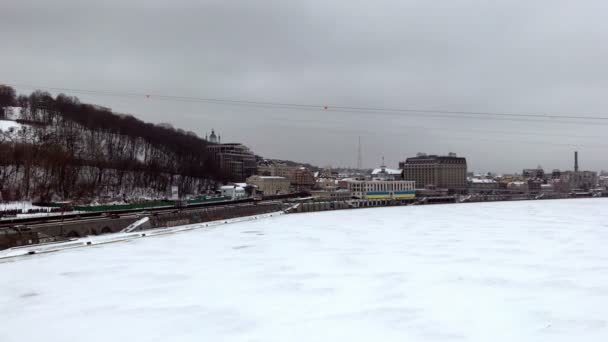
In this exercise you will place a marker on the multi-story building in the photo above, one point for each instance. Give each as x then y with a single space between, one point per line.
603 181
302 179
382 189
236 161
534 173
482 185
272 168
448 172
579 180
535 185
334 195
270 185
556 174
326 184
233 191
547 188
518 187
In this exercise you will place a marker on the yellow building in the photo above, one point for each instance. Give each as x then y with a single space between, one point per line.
270 185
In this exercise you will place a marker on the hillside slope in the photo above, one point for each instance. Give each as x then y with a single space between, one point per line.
59 148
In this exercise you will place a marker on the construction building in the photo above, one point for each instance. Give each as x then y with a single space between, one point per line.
236 161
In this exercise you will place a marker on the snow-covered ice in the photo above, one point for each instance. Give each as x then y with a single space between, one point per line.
503 271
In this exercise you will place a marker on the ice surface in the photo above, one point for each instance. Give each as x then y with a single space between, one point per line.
503 271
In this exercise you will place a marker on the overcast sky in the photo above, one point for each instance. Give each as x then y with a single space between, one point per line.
527 57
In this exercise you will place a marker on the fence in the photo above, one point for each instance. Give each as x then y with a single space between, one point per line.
212 214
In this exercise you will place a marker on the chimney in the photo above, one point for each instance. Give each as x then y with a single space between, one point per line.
575 161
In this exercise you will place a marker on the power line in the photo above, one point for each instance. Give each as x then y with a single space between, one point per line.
336 108
366 110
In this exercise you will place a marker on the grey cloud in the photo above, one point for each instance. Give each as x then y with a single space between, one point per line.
499 56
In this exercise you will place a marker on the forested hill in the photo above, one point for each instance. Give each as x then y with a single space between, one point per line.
60 148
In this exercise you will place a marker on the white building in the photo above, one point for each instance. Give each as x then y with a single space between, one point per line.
326 184
480 185
382 189
233 191
386 174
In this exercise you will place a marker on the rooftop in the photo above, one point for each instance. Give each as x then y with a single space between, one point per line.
481 180
270 177
388 171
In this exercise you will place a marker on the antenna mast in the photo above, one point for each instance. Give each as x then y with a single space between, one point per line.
359 159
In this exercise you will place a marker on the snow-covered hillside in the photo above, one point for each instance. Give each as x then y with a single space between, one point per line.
56 148
505 271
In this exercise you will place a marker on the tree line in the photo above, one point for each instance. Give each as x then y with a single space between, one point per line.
66 149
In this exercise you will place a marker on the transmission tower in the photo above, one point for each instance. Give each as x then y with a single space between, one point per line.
359 158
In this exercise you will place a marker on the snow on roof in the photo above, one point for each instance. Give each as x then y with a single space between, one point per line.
230 187
228 283
6 125
518 183
25 205
271 177
388 171
481 180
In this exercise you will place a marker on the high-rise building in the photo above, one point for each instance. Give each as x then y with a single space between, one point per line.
432 171
236 161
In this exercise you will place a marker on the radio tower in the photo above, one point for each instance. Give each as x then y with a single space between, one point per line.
359 159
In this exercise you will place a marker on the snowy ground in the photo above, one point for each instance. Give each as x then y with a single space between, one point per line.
26 206
503 271
6 125
16 205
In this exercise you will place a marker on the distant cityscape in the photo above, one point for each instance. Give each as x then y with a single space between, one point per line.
100 173
416 177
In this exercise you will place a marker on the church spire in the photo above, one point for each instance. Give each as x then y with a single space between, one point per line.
213 137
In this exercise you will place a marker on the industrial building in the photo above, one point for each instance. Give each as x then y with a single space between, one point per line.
578 180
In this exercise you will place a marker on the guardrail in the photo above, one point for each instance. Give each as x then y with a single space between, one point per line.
118 237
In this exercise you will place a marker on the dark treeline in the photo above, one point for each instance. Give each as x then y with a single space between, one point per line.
71 150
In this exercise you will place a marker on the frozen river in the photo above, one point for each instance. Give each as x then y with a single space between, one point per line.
506 271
